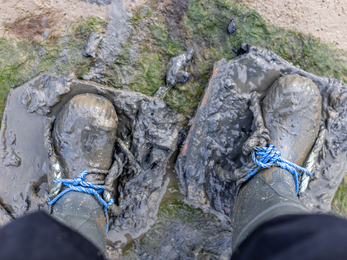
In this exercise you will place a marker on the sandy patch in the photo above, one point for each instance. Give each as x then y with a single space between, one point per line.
131 5
325 19
31 18
24 18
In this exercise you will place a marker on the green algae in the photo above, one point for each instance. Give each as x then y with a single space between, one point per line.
151 73
83 26
339 204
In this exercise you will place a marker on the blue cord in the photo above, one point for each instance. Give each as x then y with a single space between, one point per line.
269 155
78 184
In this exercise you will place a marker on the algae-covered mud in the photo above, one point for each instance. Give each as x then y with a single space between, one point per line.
150 35
128 53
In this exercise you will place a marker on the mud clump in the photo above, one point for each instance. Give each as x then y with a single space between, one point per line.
244 48
176 66
175 72
12 159
40 98
232 26
91 46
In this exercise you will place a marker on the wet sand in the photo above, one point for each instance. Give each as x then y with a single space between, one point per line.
325 19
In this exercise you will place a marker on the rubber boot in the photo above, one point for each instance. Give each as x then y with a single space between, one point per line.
292 113
83 213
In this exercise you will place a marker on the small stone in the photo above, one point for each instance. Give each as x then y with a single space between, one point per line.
235 50
44 20
232 27
45 34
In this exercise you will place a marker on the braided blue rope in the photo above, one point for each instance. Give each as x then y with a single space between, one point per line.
78 184
269 155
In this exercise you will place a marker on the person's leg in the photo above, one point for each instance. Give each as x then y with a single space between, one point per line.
38 236
296 237
292 112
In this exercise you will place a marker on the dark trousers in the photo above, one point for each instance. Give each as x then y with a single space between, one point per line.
38 236
296 237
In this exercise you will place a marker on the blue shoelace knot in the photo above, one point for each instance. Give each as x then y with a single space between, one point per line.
78 184
265 157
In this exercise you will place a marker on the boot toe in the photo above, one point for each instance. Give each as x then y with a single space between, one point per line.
292 113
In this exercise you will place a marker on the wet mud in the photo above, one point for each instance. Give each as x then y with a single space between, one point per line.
117 31
146 127
223 123
230 126
176 66
182 232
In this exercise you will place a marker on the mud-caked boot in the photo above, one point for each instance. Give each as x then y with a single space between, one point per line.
292 113
82 141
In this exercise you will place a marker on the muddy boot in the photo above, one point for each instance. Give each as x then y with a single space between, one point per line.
81 145
292 113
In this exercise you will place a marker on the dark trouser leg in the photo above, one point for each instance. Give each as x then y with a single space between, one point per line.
299 237
38 236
